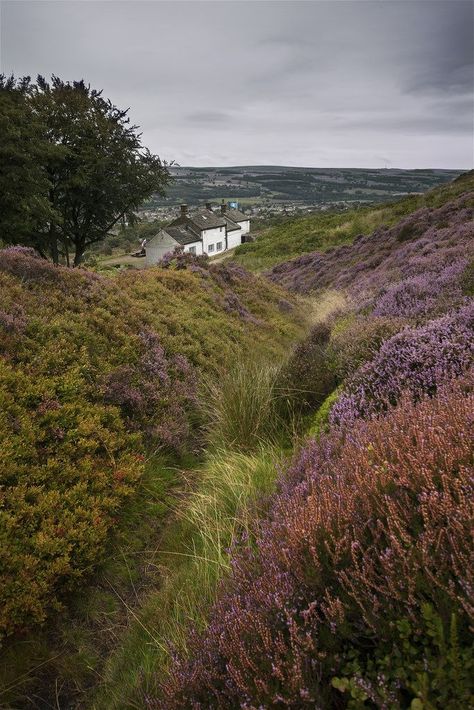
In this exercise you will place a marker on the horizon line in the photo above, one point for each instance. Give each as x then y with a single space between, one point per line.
315 167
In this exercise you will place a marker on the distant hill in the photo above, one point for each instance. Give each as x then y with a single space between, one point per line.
263 184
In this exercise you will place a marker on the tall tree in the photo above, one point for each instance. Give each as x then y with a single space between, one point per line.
25 209
101 173
88 165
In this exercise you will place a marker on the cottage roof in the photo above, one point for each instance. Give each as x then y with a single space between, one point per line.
183 234
236 215
231 225
205 219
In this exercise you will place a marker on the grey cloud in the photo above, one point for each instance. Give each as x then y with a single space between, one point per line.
316 83
208 117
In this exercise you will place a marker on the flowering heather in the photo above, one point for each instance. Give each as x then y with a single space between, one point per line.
412 269
356 339
366 556
13 321
157 395
27 264
179 259
423 295
417 360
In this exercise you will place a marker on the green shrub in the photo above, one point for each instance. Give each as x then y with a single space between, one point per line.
320 421
435 668
66 467
306 379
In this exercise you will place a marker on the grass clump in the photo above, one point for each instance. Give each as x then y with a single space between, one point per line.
242 407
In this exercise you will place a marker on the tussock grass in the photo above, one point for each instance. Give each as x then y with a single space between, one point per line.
242 407
224 497
325 304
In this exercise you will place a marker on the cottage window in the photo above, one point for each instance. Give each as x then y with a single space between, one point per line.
210 248
218 246
192 250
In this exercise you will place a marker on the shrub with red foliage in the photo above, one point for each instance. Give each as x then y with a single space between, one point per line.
368 539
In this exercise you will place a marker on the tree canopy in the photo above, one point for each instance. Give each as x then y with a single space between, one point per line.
71 166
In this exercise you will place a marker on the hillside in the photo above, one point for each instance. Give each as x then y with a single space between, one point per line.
98 377
323 231
354 587
197 471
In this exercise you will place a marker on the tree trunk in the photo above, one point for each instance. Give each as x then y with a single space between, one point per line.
79 251
53 244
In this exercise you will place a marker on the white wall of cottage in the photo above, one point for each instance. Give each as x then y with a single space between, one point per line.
234 238
244 226
213 236
161 244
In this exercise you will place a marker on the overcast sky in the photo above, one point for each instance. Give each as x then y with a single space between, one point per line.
335 83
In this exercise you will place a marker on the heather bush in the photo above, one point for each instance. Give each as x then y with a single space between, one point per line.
66 467
423 295
179 259
356 340
359 581
157 395
93 372
416 359
426 266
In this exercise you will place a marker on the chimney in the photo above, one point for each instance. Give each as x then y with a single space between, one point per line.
184 210
209 206
223 207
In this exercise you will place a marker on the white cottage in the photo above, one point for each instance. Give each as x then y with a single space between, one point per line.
200 232
237 217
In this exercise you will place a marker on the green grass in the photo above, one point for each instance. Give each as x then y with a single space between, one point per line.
241 408
222 500
223 496
324 230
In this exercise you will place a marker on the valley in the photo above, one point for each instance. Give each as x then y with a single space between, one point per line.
195 465
272 190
